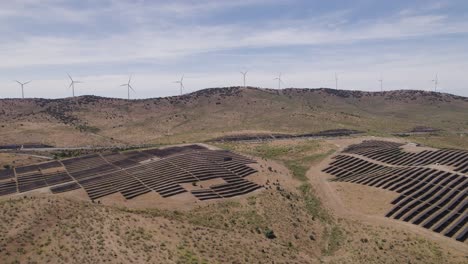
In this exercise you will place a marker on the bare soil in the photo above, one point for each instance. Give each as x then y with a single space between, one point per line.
17 160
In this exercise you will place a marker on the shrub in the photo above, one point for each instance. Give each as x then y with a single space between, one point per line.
270 234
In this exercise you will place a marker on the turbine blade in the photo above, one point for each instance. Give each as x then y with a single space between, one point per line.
71 84
124 84
27 82
70 77
130 79
18 82
131 88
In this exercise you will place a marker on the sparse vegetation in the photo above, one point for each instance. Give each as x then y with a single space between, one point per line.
280 224
70 121
313 205
270 234
90 129
297 155
53 229
335 239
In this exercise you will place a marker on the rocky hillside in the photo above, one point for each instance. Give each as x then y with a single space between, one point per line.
210 113
274 227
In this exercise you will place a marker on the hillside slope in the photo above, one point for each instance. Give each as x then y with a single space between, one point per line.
58 230
288 221
205 114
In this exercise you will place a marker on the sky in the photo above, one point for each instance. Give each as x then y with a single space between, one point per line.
405 43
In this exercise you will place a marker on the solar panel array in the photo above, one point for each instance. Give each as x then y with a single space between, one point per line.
435 199
137 172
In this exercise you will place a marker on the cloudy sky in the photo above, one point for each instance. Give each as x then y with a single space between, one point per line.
102 42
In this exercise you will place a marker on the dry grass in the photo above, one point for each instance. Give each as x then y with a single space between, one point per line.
283 223
211 113
57 230
50 229
297 155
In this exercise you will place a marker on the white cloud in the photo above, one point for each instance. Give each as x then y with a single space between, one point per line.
183 40
164 32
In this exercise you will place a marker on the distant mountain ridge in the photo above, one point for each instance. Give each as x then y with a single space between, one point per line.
331 91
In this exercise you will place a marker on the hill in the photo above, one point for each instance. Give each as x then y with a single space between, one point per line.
211 113
293 219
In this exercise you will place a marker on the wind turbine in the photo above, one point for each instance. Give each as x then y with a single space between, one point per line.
22 87
244 74
72 84
336 81
381 83
436 82
279 81
129 86
181 82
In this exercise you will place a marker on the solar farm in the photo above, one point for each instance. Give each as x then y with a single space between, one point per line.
135 173
432 184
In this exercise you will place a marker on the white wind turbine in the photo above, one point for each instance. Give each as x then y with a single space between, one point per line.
381 83
436 82
244 75
336 81
22 87
72 84
181 82
129 87
280 81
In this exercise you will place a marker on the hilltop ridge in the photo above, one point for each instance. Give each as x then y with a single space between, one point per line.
234 89
214 112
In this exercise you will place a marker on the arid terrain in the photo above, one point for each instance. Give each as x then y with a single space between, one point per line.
299 215
211 113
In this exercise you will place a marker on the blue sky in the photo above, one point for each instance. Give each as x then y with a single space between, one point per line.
102 42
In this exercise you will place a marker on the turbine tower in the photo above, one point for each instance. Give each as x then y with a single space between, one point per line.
181 82
336 81
436 82
129 87
244 74
72 84
22 87
381 83
279 81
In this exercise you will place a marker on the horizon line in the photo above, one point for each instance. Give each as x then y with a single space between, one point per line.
238 87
